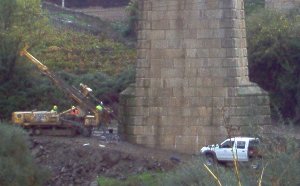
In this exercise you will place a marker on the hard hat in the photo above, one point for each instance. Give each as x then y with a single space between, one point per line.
73 107
55 107
98 107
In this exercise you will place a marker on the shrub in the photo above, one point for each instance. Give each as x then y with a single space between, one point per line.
144 179
133 12
274 55
16 163
253 5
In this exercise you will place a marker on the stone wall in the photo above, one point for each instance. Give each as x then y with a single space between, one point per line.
192 76
283 4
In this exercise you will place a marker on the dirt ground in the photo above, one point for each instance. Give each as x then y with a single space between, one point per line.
78 161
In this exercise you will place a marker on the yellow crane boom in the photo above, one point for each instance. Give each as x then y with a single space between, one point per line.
81 98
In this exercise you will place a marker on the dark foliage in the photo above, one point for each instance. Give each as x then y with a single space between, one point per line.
274 55
16 163
105 88
253 5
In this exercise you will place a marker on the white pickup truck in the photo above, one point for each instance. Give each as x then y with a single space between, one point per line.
242 149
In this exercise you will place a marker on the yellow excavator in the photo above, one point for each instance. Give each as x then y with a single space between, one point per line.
53 123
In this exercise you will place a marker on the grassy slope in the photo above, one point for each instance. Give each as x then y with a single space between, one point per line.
83 53
104 63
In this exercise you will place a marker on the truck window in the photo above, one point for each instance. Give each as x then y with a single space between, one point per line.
253 143
240 144
227 144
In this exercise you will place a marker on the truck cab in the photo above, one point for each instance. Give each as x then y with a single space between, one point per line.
238 148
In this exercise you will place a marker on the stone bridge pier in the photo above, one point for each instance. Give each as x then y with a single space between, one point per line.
192 86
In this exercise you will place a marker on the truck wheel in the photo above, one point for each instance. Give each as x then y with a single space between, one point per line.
209 159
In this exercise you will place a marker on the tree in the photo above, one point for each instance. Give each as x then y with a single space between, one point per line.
21 22
17 166
274 55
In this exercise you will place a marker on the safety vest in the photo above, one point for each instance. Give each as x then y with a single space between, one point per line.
99 107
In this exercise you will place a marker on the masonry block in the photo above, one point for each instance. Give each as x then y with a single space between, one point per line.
192 76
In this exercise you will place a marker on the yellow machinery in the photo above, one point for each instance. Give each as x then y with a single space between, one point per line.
52 122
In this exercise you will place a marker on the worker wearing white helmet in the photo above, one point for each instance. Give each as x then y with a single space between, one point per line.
54 109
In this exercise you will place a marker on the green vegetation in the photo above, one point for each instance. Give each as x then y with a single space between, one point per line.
79 57
274 55
144 179
128 27
82 53
16 164
133 13
253 5
107 67
20 22
279 165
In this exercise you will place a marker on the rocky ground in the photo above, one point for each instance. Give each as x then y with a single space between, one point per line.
78 160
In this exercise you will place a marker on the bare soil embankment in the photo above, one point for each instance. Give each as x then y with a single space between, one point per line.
78 161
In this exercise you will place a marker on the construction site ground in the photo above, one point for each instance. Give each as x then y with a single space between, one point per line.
79 161
73 161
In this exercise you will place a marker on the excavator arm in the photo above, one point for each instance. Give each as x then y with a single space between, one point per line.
81 98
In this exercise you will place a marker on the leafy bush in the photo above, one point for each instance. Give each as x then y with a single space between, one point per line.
144 179
28 91
194 173
20 22
105 87
16 164
123 27
133 12
280 155
274 55
253 5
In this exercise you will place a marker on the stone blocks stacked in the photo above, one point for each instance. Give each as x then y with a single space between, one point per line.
283 4
192 80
